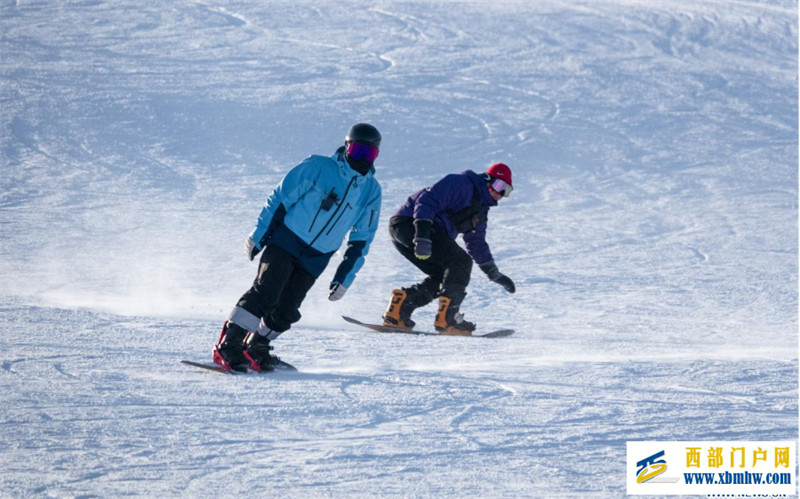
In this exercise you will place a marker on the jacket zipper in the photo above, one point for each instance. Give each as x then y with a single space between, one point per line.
337 220
339 207
315 219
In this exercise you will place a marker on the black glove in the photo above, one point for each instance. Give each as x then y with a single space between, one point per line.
422 239
506 282
422 248
493 273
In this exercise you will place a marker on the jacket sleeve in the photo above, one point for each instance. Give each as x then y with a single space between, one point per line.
476 244
296 183
359 240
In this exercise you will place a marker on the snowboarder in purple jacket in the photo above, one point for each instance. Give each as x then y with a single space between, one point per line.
424 230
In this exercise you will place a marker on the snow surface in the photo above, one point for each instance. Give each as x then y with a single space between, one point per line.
652 235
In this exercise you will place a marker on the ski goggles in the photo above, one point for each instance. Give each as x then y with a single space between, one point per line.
362 151
500 186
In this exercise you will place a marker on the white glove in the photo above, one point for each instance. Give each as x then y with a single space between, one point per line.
337 291
250 248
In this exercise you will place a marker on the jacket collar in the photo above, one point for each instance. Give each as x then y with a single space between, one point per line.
480 184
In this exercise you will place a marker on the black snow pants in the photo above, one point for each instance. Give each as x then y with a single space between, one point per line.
449 267
278 290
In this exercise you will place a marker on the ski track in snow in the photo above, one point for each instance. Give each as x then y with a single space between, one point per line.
652 236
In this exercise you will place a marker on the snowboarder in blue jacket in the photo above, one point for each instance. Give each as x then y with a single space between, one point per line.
301 226
424 230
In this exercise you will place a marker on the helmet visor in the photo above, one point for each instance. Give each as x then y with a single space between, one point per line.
362 151
500 186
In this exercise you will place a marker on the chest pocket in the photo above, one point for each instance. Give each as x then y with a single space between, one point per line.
467 219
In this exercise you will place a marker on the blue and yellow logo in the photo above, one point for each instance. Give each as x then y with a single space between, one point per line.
651 467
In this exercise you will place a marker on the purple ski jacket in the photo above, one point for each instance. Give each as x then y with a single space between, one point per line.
444 200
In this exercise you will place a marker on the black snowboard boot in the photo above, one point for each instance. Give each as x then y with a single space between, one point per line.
256 350
229 350
449 320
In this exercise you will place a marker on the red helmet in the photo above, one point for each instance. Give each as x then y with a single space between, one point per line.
501 171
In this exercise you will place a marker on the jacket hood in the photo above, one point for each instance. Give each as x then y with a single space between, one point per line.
479 182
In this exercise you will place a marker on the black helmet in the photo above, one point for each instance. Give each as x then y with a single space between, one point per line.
364 133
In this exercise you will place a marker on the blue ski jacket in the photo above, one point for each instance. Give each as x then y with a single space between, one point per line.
458 203
314 207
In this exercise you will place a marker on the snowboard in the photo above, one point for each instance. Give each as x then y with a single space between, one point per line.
500 333
210 366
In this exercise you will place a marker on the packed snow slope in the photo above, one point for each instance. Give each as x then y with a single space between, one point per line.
652 235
